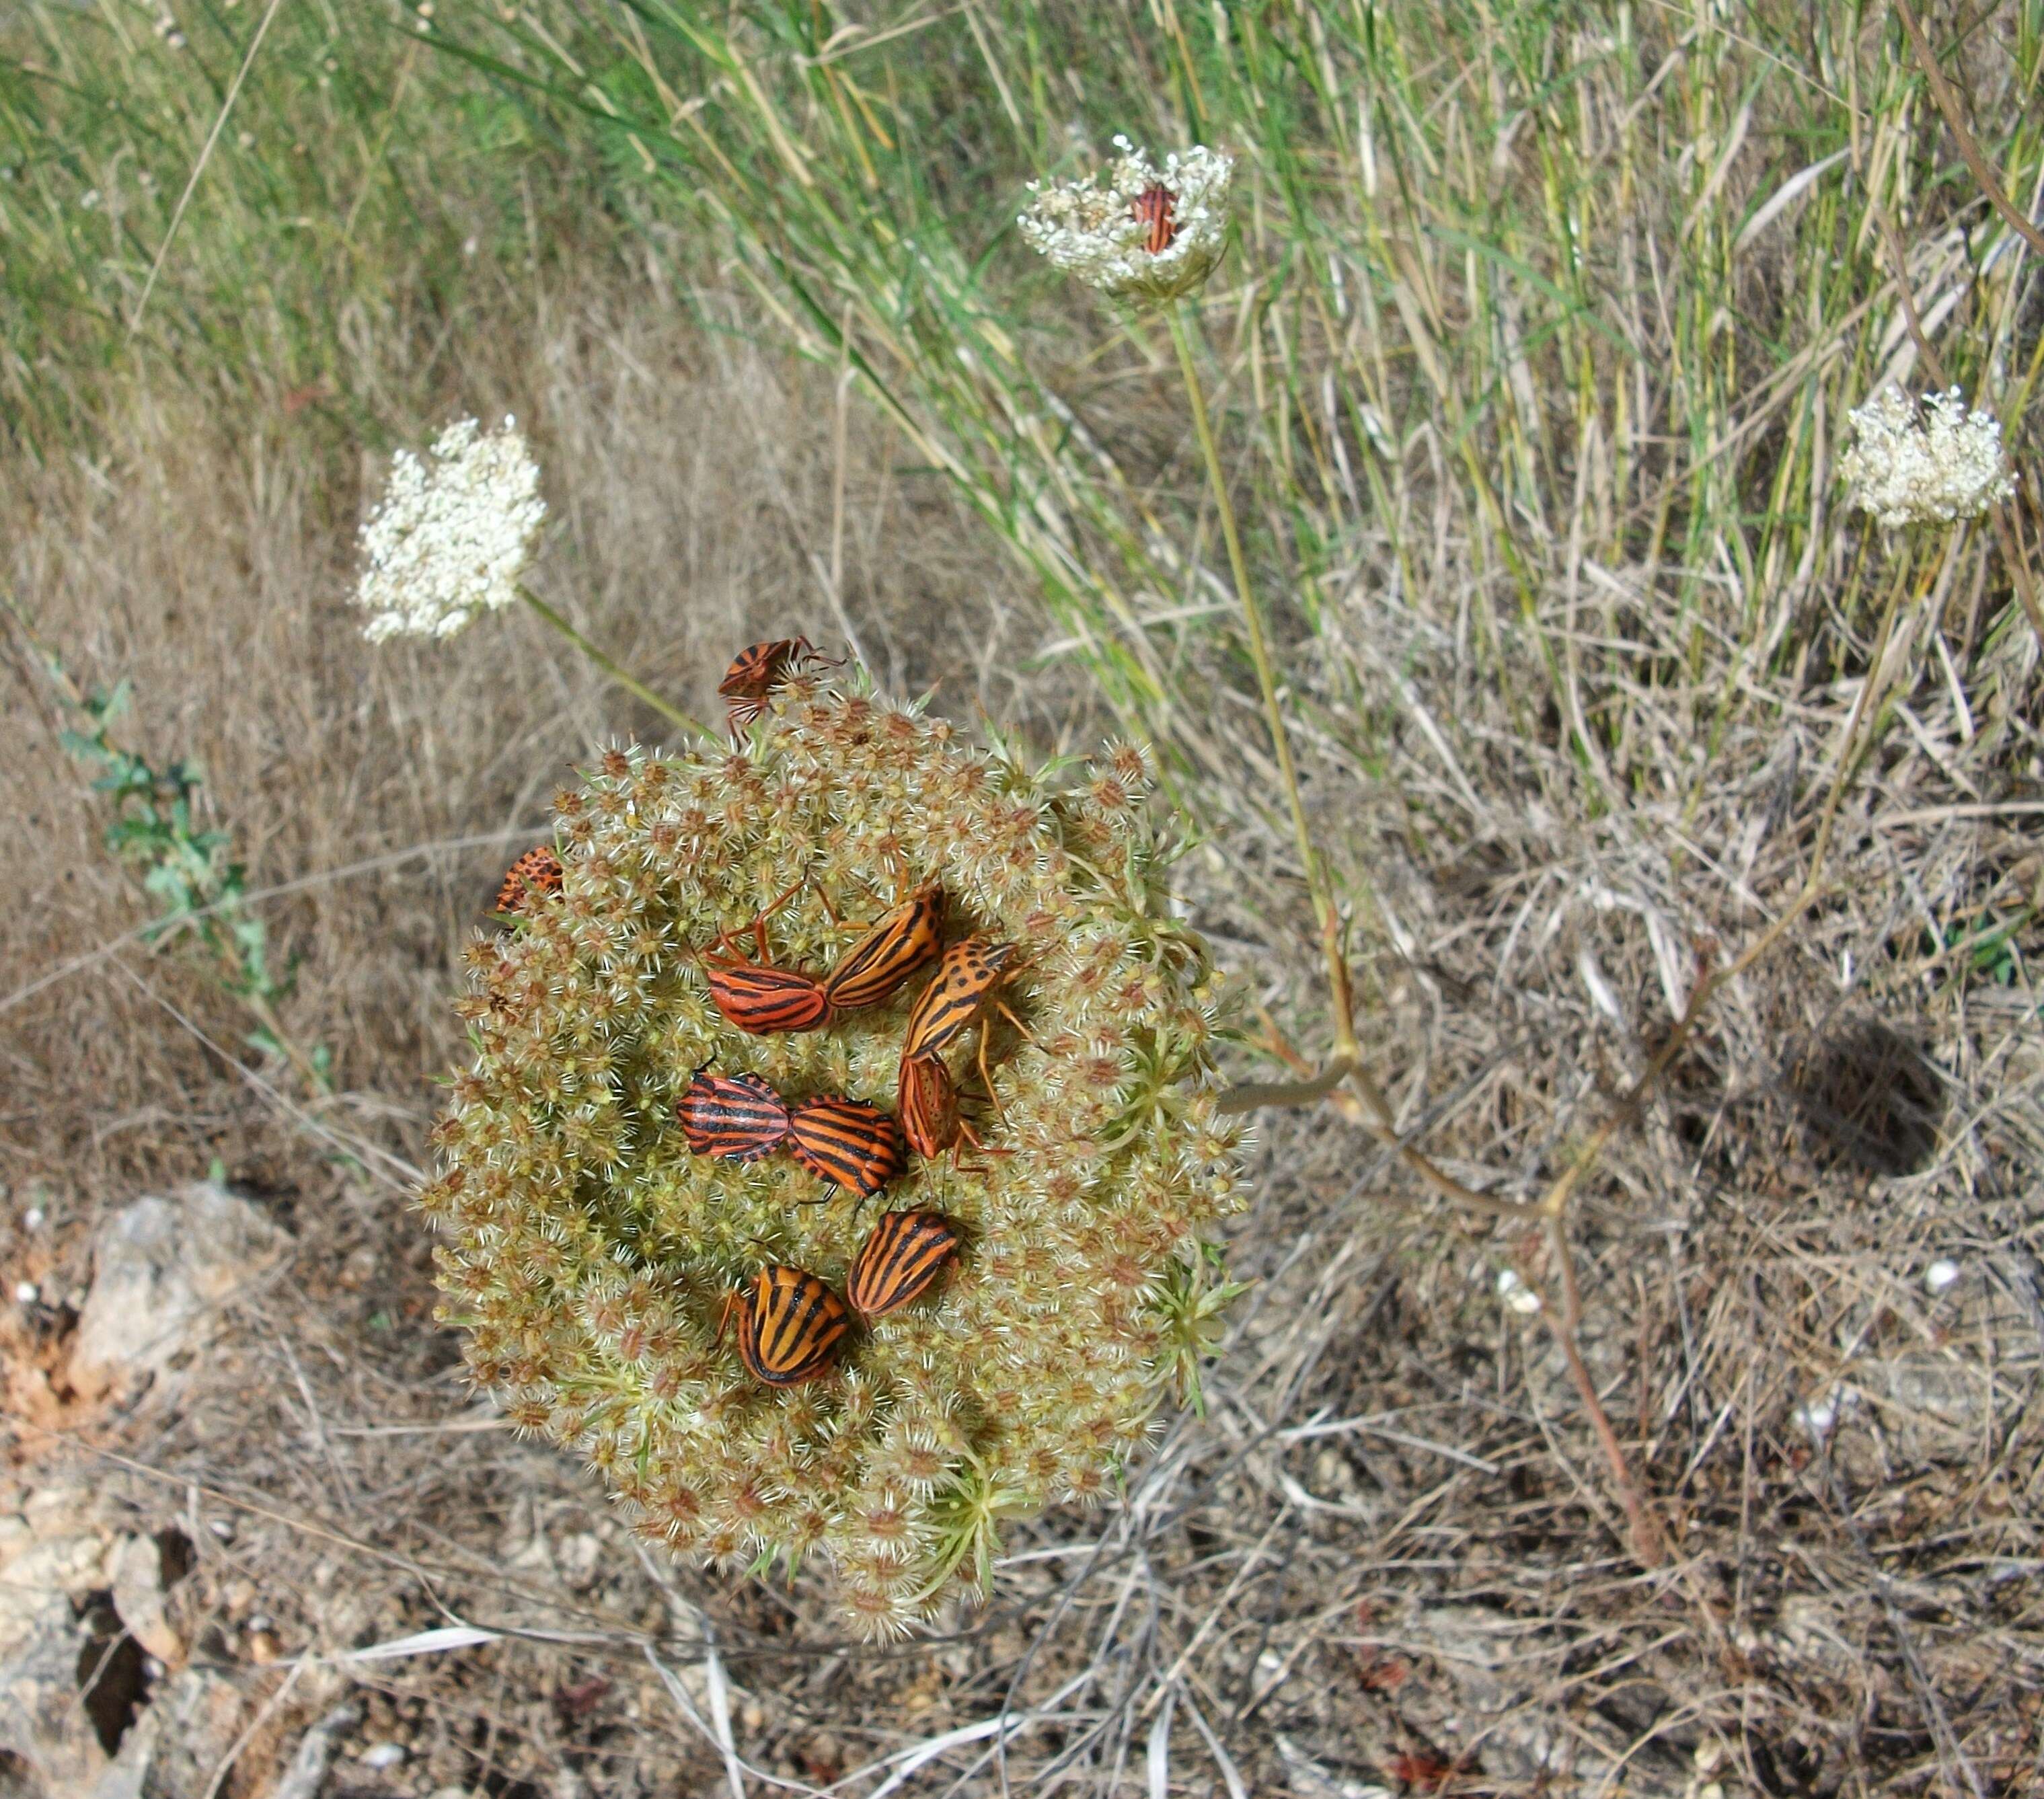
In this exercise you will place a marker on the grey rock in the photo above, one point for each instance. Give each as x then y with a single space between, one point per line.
308 1771
164 1268
140 1598
47 1742
178 1742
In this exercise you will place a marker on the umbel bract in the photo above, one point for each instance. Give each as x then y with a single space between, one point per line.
590 1258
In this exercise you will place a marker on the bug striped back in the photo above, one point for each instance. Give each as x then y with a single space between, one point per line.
946 1009
928 1102
763 1000
1153 208
898 942
900 1259
758 669
848 1143
736 1116
790 1325
534 876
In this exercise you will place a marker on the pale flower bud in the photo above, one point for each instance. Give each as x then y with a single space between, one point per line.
1136 231
1947 466
451 535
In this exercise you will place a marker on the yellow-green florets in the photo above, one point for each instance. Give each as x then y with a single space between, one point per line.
589 1255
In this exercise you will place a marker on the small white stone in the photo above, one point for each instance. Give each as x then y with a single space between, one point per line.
383 1755
26 1293
1514 1295
1818 1417
1941 1274
32 1218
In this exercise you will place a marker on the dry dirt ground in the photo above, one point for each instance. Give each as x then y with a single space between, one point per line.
1390 1558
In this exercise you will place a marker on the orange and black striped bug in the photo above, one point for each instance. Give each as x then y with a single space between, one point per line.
533 876
757 997
929 1117
790 1325
1153 208
846 1142
893 946
757 670
736 1116
951 1005
898 1261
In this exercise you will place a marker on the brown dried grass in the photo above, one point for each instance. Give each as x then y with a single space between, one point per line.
1390 1560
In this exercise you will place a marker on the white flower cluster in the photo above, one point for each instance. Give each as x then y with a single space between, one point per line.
1949 466
450 537
1090 229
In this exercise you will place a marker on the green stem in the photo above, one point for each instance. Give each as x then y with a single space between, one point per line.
1325 911
672 713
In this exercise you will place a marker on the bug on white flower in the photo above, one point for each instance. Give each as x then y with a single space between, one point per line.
1137 232
451 534
1948 465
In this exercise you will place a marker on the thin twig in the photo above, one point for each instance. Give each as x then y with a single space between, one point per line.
199 168
1326 915
1969 150
630 683
1648 1543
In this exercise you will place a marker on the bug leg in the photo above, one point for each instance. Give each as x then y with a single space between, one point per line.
1011 1019
987 1077
967 1135
720 946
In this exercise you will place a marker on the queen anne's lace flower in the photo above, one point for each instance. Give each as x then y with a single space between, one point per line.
1948 465
1090 229
450 537
588 1254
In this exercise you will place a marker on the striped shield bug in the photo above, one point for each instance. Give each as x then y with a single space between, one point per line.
1153 208
535 876
790 1325
736 1116
757 997
893 946
929 1117
846 1142
951 1004
900 1260
757 670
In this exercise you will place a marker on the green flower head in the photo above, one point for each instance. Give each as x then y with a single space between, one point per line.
590 1258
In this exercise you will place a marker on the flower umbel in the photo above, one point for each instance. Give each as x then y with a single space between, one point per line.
1948 465
589 1247
451 536
1096 230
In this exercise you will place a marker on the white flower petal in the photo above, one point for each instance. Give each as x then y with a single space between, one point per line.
1949 466
1088 228
449 538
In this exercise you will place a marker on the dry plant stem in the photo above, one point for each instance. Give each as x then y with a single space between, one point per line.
1555 1202
1648 1545
673 714
1346 1064
1325 915
1969 150
199 168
